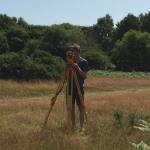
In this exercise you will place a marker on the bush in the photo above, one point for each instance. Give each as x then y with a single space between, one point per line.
132 119
96 59
20 67
118 116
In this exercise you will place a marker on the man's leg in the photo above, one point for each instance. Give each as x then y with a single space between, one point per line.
81 110
73 115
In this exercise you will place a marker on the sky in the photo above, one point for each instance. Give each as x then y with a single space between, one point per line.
77 12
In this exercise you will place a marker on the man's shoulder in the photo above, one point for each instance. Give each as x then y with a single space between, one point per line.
82 59
83 63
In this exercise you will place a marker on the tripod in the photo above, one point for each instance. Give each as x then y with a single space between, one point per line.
71 80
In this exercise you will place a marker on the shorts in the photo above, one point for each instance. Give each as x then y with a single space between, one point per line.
76 97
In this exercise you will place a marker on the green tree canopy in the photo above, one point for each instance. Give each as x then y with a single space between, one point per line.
104 30
6 22
58 36
4 47
133 52
126 24
17 37
104 27
145 22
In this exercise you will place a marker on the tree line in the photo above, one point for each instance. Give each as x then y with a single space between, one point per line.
38 52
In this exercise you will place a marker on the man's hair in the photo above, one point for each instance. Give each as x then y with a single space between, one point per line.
74 47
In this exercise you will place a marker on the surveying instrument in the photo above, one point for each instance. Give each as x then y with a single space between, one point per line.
70 80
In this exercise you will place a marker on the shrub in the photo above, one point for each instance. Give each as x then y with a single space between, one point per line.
20 67
97 60
118 116
132 119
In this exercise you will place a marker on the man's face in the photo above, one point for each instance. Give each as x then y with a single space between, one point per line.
70 57
76 54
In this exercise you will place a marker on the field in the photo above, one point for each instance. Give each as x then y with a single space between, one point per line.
23 107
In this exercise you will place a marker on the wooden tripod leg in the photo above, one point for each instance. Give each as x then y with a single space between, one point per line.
69 98
53 100
80 94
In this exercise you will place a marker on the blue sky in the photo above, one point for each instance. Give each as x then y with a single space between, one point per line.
78 12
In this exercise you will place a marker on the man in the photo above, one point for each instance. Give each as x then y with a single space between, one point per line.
80 65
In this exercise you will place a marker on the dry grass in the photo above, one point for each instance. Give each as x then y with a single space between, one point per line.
9 88
24 105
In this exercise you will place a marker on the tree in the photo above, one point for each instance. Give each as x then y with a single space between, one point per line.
22 22
57 37
36 31
145 22
130 22
6 22
31 46
104 27
132 53
4 47
17 37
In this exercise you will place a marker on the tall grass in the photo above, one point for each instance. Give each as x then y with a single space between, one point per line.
23 107
10 88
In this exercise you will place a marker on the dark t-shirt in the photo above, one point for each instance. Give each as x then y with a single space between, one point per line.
83 64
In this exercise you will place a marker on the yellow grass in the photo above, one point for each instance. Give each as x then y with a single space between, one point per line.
23 107
9 88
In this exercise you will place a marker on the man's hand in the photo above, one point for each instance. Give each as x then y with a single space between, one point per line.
82 73
76 66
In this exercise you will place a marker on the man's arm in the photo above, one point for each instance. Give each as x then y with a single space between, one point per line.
81 72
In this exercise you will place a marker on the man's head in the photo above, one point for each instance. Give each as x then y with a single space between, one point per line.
76 50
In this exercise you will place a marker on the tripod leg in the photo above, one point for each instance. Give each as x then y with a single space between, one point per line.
69 98
80 94
49 111
53 100
72 110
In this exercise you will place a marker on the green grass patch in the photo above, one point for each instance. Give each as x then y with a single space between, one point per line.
102 73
